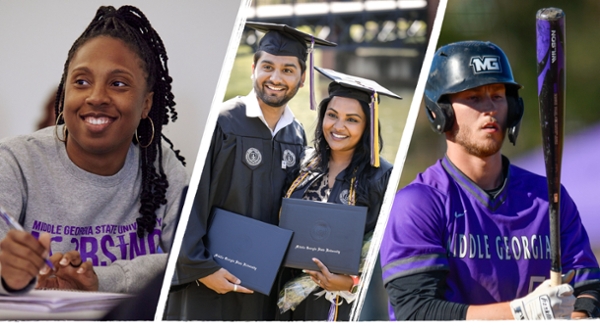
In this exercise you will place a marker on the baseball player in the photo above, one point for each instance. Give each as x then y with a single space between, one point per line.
469 237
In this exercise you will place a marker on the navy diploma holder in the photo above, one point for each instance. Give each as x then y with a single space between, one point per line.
332 233
250 249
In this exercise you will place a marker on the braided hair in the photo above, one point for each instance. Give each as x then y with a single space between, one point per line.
360 165
131 26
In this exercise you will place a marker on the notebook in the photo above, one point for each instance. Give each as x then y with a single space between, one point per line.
250 249
55 300
333 233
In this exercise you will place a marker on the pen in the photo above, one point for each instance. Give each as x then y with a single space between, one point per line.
14 224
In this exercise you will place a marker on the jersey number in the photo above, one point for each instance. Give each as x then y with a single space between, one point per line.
535 281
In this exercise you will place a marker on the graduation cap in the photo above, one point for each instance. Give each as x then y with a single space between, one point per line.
362 89
284 40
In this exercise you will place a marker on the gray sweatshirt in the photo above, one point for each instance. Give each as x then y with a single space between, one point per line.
93 214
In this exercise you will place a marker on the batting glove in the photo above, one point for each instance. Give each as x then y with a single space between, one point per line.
546 302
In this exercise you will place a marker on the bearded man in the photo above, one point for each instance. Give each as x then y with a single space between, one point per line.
469 237
256 145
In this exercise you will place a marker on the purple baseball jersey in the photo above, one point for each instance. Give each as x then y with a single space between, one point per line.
495 249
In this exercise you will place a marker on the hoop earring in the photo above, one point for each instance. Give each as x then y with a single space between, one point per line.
151 139
64 129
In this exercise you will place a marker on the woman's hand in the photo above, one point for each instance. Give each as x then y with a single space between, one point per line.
22 257
71 273
329 281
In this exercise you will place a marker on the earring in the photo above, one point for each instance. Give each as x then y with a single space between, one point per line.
64 129
151 139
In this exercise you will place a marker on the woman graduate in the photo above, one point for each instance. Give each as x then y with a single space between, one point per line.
101 190
345 168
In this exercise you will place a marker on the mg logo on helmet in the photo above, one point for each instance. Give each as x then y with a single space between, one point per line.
486 64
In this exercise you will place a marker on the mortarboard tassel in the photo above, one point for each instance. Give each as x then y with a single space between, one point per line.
311 73
374 133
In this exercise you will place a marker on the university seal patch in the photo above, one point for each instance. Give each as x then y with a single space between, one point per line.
344 196
253 156
289 158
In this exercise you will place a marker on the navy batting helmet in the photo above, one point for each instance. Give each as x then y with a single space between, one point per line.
465 65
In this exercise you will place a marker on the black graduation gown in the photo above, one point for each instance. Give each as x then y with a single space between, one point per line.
243 173
317 309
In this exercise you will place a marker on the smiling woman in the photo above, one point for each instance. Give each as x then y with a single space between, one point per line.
105 97
343 125
344 167
104 178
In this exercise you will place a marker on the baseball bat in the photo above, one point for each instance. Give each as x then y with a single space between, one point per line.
550 35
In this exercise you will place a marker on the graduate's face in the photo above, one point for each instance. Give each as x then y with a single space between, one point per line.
105 97
480 115
276 79
343 124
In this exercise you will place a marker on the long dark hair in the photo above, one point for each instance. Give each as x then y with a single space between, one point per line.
360 166
131 26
